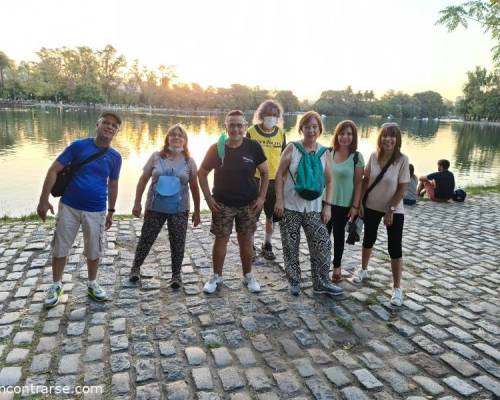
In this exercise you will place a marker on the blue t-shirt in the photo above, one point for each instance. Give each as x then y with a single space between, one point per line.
88 189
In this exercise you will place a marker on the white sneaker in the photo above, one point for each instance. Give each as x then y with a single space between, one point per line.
397 297
359 276
211 285
252 284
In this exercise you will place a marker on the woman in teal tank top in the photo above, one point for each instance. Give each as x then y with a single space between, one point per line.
347 166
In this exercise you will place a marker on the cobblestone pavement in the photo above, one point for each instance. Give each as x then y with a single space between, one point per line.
150 342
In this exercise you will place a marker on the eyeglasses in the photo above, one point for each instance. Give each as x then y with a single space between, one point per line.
236 126
177 135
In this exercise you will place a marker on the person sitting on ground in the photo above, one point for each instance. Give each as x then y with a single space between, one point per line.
83 203
267 130
439 186
235 197
301 203
410 198
172 161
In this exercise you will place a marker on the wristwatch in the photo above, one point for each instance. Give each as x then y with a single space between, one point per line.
112 210
392 208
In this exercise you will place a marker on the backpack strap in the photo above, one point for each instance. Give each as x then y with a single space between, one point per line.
77 166
355 158
377 179
321 151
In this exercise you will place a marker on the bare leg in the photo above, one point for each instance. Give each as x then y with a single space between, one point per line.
397 268
245 242
269 229
365 257
219 254
92 269
58 264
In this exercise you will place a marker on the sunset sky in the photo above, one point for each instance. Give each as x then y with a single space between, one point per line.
304 45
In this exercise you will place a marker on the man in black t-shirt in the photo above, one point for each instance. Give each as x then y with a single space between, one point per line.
235 196
440 185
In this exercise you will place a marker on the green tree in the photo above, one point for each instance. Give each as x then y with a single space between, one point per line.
429 103
5 63
109 73
486 13
288 100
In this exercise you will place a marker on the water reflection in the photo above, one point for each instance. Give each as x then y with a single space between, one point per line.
31 139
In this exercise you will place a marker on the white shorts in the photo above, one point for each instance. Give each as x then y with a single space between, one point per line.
68 223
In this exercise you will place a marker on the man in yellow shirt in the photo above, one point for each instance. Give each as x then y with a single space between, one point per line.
267 130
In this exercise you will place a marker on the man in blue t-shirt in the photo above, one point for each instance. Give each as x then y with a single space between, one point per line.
83 203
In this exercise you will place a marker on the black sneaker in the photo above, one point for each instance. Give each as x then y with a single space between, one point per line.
328 288
267 251
175 282
134 275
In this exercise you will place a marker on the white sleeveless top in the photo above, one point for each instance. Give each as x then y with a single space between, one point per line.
292 200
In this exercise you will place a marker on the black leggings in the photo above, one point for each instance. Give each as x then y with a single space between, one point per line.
337 223
372 220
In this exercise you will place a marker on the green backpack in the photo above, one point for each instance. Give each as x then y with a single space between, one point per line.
310 179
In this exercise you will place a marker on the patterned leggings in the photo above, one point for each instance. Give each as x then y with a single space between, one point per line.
318 242
177 228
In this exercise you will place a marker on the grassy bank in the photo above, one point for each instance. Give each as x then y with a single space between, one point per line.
473 190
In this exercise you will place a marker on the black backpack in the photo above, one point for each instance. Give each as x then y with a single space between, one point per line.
459 195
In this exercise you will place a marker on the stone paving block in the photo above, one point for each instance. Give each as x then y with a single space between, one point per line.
429 385
245 356
304 367
489 384
427 345
319 389
367 379
23 337
120 383
287 382
459 364
230 378
46 344
336 376
178 391
202 378
354 393
69 364
460 386
257 379
195 355
10 376
222 357
16 355
345 359
488 350
145 370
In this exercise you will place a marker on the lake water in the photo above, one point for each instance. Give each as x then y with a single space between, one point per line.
30 139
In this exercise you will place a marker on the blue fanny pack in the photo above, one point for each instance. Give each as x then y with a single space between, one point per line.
167 196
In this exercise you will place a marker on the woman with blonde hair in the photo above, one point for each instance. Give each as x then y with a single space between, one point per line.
347 169
301 202
174 174
386 178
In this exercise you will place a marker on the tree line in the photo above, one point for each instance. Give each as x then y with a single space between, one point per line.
86 76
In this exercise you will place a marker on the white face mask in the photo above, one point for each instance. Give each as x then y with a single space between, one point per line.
269 122
175 149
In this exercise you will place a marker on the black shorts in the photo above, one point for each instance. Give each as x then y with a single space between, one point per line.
270 200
